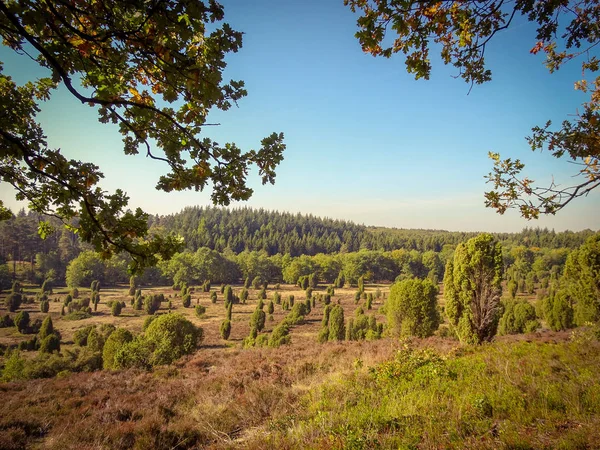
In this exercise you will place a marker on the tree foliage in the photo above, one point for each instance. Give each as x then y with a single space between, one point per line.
411 308
472 289
153 68
565 31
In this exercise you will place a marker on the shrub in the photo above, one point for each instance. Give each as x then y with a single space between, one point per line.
152 303
166 339
361 284
291 300
13 301
244 295
228 295
186 300
247 283
313 280
75 293
257 320
296 315
21 321
230 310
116 309
95 340
337 329
138 303
357 297
225 329
558 311
323 335
44 306
200 310
50 344
369 301
6 321
80 336
270 307
171 336
340 280
327 299
256 282
68 299
518 317
309 292
277 298
411 309
262 294
114 342
213 296
47 328
512 288
308 306
280 335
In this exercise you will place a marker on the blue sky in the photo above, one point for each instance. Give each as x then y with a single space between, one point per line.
365 141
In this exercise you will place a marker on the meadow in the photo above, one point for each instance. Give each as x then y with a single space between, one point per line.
538 390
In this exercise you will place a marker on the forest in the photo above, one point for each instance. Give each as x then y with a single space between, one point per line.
272 245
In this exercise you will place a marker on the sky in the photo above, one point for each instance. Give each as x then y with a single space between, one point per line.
366 142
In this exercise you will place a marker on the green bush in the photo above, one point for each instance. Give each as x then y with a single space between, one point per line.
411 309
291 300
75 293
257 320
262 294
369 301
277 298
200 310
116 309
518 317
47 328
95 340
296 315
80 336
13 301
152 303
225 329
6 321
50 344
21 321
256 282
213 296
558 311
68 299
186 300
361 284
44 306
280 335
337 329
115 341
270 307
166 339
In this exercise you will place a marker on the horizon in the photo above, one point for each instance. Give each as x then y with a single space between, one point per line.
365 142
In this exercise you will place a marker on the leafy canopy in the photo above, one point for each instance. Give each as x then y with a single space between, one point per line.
565 31
152 67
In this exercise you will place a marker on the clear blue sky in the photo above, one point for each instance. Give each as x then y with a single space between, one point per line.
365 141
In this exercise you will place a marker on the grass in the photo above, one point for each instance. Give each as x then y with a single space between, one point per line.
526 391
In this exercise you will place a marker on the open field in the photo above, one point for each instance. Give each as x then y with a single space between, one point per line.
215 313
524 391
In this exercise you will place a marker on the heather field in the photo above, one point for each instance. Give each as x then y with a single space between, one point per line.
537 390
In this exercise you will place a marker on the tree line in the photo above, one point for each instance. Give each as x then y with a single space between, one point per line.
225 245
